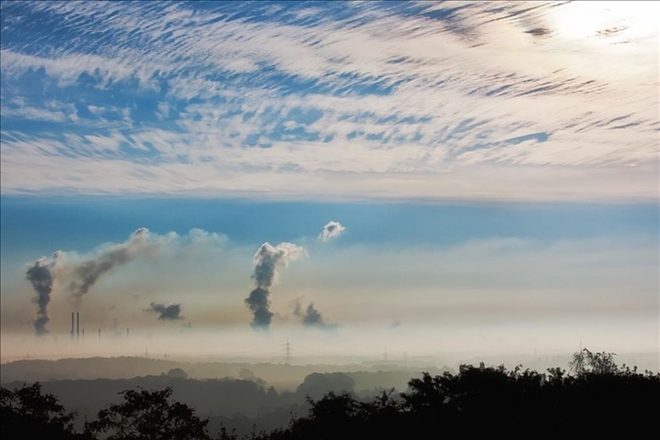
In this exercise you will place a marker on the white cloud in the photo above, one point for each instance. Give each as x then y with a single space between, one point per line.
495 104
38 166
331 230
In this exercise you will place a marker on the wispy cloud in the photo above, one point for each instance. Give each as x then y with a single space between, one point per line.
502 101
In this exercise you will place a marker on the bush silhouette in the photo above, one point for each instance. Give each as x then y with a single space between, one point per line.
149 415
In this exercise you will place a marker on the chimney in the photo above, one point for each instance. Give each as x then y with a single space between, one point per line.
71 325
77 325
99 334
127 333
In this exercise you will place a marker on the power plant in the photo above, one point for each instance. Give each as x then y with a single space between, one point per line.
77 333
77 326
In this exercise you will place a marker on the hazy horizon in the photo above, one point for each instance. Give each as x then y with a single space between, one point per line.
417 178
342 347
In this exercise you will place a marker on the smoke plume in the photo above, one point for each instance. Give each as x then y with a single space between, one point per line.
86 274
331 230
310 316
267 261
42 276
166 313
79 275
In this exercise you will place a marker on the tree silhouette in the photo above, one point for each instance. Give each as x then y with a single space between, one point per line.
600 363
597 399
603 399
149 415
27 413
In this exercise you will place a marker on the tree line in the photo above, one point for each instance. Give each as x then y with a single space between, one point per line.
594 397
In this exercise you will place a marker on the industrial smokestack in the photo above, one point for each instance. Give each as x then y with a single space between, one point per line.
99 334
77 325
83 335
126 333
72 313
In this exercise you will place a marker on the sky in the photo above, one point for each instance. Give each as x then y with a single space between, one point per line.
428 176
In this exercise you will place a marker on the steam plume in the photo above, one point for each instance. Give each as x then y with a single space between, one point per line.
88 273
166 313
41 275
331 230
267 261
79 277
311 316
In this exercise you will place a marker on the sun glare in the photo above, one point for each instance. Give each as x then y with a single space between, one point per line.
610 22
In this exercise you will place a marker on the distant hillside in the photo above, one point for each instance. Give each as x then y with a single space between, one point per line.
236 403
280 376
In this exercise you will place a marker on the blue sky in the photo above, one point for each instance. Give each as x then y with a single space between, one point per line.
466 145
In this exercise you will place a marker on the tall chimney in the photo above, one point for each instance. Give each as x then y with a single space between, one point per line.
126 332
83 335
99 334
77 325
71 325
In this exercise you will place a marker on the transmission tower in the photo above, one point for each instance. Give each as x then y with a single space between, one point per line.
287 351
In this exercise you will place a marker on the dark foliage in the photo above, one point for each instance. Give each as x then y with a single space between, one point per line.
27 413
599 400
149 415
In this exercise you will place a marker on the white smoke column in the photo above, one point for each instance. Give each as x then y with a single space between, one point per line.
86 274
267 261
331 230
